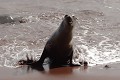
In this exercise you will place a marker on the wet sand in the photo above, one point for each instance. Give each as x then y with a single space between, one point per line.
62 73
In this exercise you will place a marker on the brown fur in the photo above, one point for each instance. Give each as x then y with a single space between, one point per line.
58 48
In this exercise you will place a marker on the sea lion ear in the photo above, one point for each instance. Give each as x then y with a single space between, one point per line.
65 16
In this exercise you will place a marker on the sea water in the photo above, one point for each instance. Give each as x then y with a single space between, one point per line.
96 34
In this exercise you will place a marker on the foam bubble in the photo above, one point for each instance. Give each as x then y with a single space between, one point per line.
102 53
13 52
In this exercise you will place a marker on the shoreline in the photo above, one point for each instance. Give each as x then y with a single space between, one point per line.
62 73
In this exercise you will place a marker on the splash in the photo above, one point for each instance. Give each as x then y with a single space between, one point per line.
96 48
11 53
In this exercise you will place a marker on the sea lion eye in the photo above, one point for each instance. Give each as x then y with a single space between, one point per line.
67 17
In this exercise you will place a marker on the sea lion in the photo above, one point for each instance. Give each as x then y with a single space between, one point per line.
58 48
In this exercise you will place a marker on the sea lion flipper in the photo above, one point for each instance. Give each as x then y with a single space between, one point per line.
71 56
43 56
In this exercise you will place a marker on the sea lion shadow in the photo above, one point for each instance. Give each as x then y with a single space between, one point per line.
53 70
59 69
44 67
30 68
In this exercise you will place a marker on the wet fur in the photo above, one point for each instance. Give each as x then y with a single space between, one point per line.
58 48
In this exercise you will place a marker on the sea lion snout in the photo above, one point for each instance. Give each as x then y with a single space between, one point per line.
73 17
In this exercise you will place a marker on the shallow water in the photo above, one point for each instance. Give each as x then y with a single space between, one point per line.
96 34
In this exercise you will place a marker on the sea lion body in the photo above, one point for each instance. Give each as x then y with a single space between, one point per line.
58 48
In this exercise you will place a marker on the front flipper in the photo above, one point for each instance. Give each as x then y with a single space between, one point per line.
42 58
39 64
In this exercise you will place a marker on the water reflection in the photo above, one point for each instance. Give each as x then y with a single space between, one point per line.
45 70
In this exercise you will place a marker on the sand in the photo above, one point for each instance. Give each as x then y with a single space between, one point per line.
62 73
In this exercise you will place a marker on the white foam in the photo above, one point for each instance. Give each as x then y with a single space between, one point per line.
99 54
12 53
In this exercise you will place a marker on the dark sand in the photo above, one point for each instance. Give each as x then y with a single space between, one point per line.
63 73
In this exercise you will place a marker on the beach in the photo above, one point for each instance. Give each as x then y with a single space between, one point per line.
95 38
63 73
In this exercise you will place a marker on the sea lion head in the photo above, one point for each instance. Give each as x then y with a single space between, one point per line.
69 21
